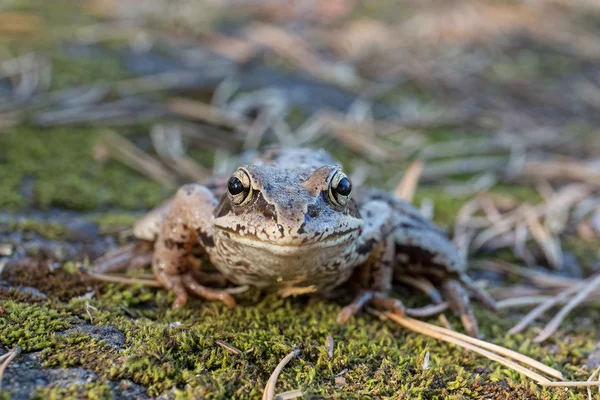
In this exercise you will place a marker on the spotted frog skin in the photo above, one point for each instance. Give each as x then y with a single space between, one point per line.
291 221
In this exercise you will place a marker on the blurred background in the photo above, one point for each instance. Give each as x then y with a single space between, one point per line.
484 114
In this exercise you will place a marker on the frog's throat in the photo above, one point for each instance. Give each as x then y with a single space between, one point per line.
281 247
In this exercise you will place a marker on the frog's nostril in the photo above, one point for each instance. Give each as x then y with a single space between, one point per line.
313 210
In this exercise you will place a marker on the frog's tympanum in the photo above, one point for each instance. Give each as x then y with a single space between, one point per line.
292 221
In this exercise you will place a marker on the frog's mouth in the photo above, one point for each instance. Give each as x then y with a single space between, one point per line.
291 245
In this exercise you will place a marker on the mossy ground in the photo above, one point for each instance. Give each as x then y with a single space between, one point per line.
174 351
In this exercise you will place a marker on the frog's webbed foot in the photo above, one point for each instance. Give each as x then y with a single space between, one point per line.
378 299
185 284
456 295
458 300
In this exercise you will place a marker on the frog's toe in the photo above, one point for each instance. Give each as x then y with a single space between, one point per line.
481 295
378 299
458 299
207 293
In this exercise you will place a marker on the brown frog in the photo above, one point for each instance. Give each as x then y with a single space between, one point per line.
291 220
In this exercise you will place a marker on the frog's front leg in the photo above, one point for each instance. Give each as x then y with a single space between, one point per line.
188 221
375 273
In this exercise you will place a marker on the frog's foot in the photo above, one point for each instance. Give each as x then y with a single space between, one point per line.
185 284
481 295
378 299
131 256
458 300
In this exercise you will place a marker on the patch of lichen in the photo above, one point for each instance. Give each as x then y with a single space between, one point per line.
59 162
88 391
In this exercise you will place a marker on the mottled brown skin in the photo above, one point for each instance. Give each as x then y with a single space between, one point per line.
289 222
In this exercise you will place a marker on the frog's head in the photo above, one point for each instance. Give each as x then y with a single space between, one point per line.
289 211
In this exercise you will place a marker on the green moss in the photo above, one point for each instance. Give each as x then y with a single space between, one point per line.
31 326
59 162
89 391
47 230
175 350
111 222
528 64
71 70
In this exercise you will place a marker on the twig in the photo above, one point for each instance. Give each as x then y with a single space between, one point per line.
6 359
207 113
524 301
126 152
269 392
556 321
561 170
406 188
469 165
542 308
549 244
590 379
123 280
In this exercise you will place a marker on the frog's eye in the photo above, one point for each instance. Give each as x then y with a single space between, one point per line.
340 189
239 187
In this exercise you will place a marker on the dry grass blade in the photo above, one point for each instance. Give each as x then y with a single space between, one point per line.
495 348
241 51
561 170
480 346
443 334
352 136
406 188
549 245
228 347
297 51
524 301
168 144
6 359
586 290
269 392
539 278
18 23
542 308
126 152
292 394
590 379
329 345
207 113
123 280
469 165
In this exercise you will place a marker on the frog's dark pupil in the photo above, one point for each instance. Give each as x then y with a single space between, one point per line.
344 187
235 186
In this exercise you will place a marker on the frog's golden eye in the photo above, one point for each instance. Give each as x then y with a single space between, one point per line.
239 187
340 189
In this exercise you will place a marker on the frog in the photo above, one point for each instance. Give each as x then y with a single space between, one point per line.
291 221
